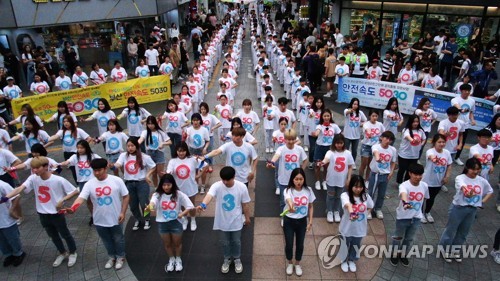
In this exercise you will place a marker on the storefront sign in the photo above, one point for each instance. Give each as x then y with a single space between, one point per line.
84 101
376 94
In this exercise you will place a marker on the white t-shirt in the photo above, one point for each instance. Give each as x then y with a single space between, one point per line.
303 111
391 120
387 155
5 219
82 166
196 138
359 227
495 140
102 119
142 71
288 161
13 92
468 105
80 79
455 129
184 173
411 150
374 73
249 120
239 157
69 141
157 138
229 200
372 133
61 117
119 75
434 171
432 82
288 115
63 83
338 167
300 199
131 172
29 141
168 209
106 197
426 119
225 112
269 111
151 56
195 90
174 121
21 119
166 68
352 124
340 70
486 156
209 122
40 87
4 139
99 77
326 134
114 142
48 192
416 195
134 124
480 186
407 77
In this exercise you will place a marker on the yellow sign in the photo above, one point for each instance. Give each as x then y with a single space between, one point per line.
84 101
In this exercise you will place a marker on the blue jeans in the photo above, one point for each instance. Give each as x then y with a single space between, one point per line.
139 195
209 149
353 246
379 182
231 244
56 227
312 147
113 240
352 145
294 228
460 220
176 140
10 241
405 231
333 198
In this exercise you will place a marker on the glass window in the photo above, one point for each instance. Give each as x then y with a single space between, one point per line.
493 11
404 7
455 9
363 5
490 29
465 27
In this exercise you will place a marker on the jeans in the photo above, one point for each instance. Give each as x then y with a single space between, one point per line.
176 140
403 174
353 246
210 161
56 227
460 220
67 155
139 195
459 151
405 230
133 62
352 145
282 196
378 181
153 70
113 240
312 147
297 228
445 66
10 241
333 198
269 138
231 244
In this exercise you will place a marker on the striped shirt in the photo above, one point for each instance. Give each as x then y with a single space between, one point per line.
386 66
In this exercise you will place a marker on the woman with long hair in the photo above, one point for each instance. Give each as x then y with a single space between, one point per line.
155 139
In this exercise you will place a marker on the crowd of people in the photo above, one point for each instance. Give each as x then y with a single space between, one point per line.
299 131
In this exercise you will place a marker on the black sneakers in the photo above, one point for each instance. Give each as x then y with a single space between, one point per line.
8 261
13 260
404 261
394 260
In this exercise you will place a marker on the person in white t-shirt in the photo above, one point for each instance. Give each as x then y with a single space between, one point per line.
357 204
408 214
118 73
10 239
152 59
337 176
453 129
297 218
98 75
407 75
39 86
269 116
472 191
102 115
63 82
165 205
374 72
354 120
382 168
114 139
51 192
432 80
484 152
142 70
427 118
409 148
110 198
372 130
232 201
467 106
137 170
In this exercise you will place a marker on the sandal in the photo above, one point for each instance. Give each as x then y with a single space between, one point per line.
210 170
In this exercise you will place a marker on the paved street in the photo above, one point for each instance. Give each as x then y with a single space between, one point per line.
263 249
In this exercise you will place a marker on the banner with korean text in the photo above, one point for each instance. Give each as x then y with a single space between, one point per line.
376 94
83 101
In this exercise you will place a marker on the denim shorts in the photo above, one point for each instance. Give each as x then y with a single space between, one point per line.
366 150
320 152
112 158
195 151
158 156
173 227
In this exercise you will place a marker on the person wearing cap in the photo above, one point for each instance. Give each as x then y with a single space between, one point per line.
9 92
110 198
51 192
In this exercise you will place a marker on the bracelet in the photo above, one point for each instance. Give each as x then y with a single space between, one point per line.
203 206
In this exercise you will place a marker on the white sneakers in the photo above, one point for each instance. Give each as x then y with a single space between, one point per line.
147 225
178 264
306 149
136 226
429 217
59 260
277 192
72 259
110 263
225 266
329 217
298 270
184 223
328 95
444 188
379 214
458 162
324 185
317 185
170 266
369 216
119 263
348 266
337 216
193 224
202 189
238 266
268 150
352 266
289 269
354 167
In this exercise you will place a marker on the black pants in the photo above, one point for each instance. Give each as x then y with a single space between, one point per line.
56 228
67 155
464 137
496 154
294 228
403 164
312 147
445 66
422 148
8 179
153 70
496 245
433 192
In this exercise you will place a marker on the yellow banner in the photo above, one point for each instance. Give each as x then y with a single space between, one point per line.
83 101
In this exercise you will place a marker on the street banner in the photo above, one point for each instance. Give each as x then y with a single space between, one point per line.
83 101
376 94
